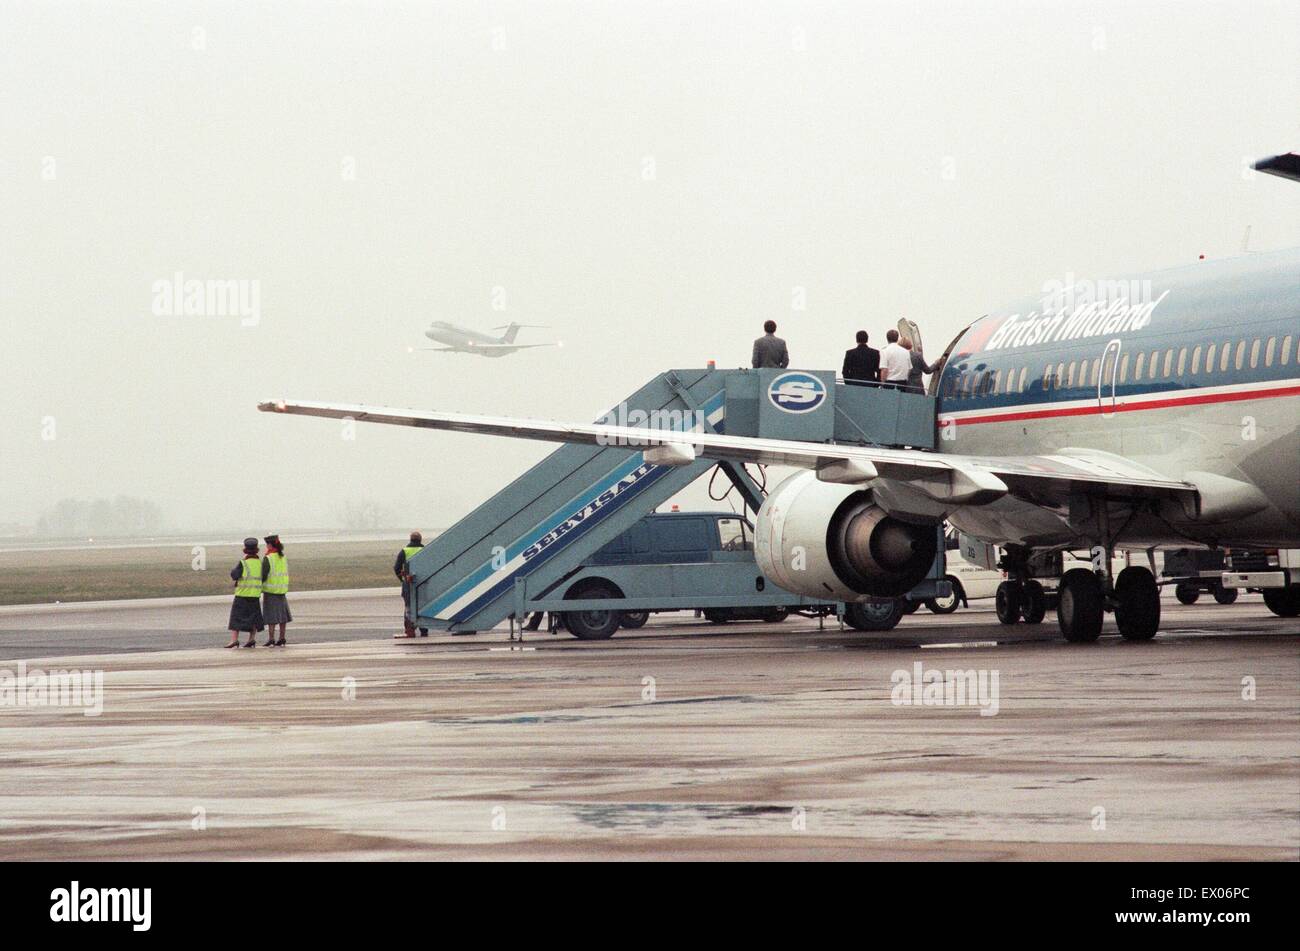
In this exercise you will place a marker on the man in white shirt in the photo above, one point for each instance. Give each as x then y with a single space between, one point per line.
895 362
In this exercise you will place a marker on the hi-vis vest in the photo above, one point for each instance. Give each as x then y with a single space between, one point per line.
250 584
277 579
410 550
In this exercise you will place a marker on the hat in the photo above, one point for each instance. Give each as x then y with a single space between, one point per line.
250 544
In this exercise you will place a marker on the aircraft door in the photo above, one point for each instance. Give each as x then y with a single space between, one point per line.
908 328
1107 378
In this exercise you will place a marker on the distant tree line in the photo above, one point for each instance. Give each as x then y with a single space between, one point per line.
123 515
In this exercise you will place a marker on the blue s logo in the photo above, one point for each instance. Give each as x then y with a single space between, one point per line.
797 392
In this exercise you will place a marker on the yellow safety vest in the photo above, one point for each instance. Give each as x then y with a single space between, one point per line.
277 580
250 585
410 550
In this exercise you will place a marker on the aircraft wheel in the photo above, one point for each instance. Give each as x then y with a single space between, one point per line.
874 615
910 607
1079 606
593 625
1186 592
776 615
635 619
1137 608
1035 599
1284 602
1007 602
1224 595
949 604
717 615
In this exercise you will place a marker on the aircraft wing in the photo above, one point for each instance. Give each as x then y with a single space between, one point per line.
938 480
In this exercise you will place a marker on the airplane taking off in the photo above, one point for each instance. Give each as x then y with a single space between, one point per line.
463 340
1149 412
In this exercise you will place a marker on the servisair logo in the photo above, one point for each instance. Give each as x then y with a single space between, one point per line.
797 392
588 512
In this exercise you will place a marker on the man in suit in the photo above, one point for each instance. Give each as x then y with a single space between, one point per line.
862 363
769 349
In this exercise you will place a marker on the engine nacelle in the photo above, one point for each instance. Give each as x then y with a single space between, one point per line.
827 540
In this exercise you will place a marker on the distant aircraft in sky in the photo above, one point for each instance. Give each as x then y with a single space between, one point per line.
463 340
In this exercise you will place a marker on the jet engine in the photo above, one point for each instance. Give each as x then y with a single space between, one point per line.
828 540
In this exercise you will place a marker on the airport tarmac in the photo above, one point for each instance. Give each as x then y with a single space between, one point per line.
680 740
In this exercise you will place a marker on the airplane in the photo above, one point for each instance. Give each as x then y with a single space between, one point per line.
1165 417
463 340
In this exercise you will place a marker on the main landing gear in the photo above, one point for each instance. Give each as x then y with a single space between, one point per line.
1082 599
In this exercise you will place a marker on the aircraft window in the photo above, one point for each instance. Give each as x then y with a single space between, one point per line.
1182 361
1123 368
1152 360
967 378
1024 371
1254 354
1169 362
1241 354
1268 351
993 388
1209 358
1137 370
1285 358
1096 371
1059 376
1069 375
1196 361
1047 377
1225 356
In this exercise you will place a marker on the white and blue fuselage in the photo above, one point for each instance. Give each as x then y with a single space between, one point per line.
1193 370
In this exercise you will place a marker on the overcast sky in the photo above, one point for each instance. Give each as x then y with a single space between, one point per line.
652 179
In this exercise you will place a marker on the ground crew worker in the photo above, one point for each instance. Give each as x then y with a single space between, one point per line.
399 568
246 611
275 590
769 349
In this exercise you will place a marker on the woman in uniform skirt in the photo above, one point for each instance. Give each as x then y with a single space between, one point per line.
246 611
275 590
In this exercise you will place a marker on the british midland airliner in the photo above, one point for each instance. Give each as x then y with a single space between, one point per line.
1161 410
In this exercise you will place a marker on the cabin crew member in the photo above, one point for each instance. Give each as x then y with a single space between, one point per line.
246 611
399 569
769 349
917 367
275 590
895 362
862 363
